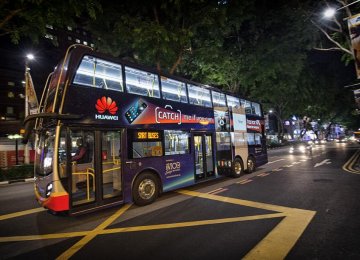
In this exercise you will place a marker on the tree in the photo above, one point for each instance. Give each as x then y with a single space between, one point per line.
157 33
29 18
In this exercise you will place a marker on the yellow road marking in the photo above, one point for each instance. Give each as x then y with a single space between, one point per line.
240 202
89 236
263 174
21 213
244 181
191 223
348 166
278 243
41 237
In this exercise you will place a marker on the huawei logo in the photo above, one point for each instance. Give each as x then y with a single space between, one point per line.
104 104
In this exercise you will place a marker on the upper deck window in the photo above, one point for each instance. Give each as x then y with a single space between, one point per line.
247 105
199 96
232 101
218 99
142 83
173 90
256 108
98 73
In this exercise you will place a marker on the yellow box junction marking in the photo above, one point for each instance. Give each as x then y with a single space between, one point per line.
21 213
348 166
92 234
276 245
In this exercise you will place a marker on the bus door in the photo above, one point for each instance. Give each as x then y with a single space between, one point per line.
95 167
204 156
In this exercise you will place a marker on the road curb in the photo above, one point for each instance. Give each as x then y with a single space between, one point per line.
15 181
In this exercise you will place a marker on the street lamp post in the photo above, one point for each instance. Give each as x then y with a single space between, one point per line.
16 137
29 57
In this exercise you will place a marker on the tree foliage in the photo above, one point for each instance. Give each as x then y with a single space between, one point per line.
160 32
29 18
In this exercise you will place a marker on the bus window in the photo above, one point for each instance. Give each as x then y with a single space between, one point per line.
251 139
62 154
219 99
142 83
223 141
232 101
176 142
44 153
146 149
97 73
82 166
256 108
258 137
199 96
247 106
111 171
173 90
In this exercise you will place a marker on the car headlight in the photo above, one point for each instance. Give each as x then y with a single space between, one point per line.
302 149
291 150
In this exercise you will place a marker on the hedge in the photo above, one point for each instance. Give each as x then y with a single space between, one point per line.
17 172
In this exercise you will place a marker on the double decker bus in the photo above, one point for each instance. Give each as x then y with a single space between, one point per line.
110 132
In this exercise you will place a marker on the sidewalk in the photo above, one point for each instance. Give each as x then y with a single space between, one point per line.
15 181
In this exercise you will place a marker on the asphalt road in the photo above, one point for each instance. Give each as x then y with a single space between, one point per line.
295 207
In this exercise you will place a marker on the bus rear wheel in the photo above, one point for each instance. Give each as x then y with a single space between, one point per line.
145 189
251 166
238 168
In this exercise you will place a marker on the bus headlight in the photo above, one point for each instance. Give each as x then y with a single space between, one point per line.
49 188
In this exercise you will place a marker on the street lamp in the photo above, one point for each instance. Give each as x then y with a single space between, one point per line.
330 12
16 137
29 57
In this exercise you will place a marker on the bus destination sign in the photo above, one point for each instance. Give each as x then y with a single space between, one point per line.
141 135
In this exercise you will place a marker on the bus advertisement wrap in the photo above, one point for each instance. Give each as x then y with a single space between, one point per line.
134 111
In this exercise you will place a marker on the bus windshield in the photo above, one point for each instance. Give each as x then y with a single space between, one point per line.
44 153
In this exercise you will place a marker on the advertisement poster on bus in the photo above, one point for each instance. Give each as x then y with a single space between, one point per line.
132 111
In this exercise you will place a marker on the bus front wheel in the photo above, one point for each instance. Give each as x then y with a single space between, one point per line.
238 168
145 189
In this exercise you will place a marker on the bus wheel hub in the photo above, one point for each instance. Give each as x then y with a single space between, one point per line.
146 189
